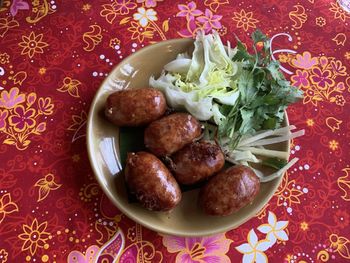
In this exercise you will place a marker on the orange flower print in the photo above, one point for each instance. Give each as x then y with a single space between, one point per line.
123 7
339 100
6 24
45 106
114 42
109 13
139 32
338 12
3 255
3 116
4 58
34 236
46 185
7 206
245 20
347 55
322 79
71 86
32 44
215 4
11 99
338 68
22 119
320 21
289 194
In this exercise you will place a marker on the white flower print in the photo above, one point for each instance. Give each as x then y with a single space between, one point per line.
145 15
274 230
254 250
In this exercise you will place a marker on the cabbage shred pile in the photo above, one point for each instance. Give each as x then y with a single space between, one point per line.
241 93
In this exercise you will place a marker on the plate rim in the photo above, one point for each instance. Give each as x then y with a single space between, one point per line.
114 200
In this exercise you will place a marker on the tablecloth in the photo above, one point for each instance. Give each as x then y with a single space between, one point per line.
53 57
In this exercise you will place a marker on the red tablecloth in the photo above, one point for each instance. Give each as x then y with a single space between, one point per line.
54 56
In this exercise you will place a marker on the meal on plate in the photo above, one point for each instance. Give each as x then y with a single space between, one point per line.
210 119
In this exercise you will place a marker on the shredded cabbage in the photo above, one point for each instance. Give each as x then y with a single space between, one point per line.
199 84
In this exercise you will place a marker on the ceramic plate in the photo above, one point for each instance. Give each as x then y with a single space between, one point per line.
103 143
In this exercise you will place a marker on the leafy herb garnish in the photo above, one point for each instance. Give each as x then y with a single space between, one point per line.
264 93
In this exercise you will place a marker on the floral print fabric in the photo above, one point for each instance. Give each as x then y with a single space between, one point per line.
54 55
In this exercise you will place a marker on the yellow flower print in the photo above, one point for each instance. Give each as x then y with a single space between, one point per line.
339 13
333 145
274 230
34 236
139 32
42 71
304 226
10 99
254 250
19 118
71 86
310 122
46 185
32 44
4 58
245 20
283 58
144 16
7 206
86 7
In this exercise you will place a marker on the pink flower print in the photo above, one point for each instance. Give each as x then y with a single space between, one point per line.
300 79
210 21
149 3
89 256
322 78
3 116
18 5
189 11
201 249
304 61
11 99
22 118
